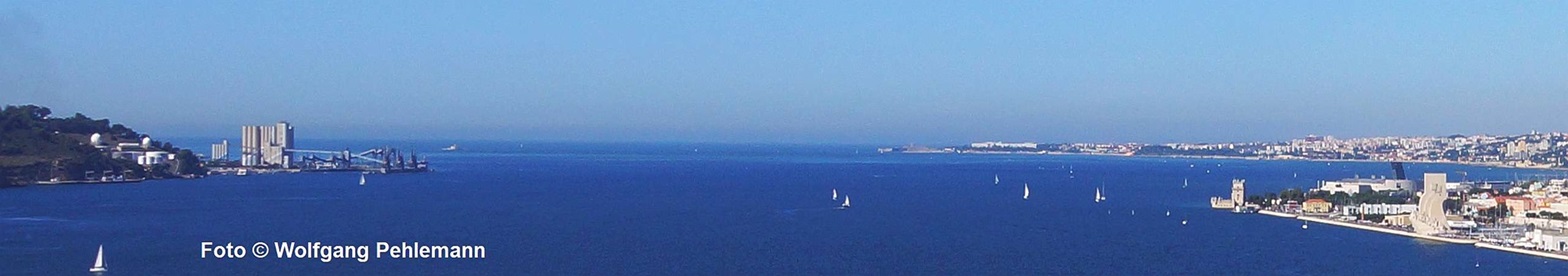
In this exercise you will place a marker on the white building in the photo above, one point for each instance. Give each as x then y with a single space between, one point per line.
267 145
1378 209
220 151
1549 240
1003 145
1352 186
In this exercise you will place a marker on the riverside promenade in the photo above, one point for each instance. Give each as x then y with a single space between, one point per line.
1419 236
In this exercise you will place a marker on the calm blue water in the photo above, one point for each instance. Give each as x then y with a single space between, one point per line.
730 209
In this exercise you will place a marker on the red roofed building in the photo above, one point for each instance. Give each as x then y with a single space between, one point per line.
1317 205
1517 204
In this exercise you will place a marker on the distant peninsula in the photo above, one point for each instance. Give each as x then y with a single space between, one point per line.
1533 150
37 148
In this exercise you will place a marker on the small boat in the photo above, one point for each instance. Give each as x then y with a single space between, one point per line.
1184 222
835 194
242 172
997 180
1097 196
1026 191
453 147
1134 212
1167 213
98 266
362 179
1303 225
846 204
1184 183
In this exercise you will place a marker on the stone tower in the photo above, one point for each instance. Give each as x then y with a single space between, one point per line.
1238 191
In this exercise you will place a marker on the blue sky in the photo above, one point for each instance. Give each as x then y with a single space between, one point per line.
796 71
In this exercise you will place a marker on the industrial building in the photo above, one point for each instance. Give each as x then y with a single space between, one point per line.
267 145
220 151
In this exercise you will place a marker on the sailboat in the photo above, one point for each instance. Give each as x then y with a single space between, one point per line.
98 266
997 181
846 204
835 194
1184 183
1167 213
1097 196
362 179
1026 191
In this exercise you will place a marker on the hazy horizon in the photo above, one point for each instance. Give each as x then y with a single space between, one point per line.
795 72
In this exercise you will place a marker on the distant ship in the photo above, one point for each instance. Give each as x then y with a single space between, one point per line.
362 179
835 194
1026 191
98 266
242 172
846 204
453 147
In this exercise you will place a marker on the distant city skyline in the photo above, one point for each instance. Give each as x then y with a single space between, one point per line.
798 72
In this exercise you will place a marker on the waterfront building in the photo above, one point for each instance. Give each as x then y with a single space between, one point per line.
1238 191
1237 201
267 145
1549 240
1003 145
1317 205
220 151
1353 186
1379 209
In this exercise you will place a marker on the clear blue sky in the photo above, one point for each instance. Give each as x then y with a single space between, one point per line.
797 71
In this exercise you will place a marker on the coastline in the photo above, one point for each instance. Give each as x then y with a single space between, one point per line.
1522 251
1420 236
1254 158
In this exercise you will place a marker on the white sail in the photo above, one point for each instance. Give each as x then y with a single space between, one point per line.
1183 182
362 180
1097 196
1026 190
835 194
98 264
846 202
997 181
